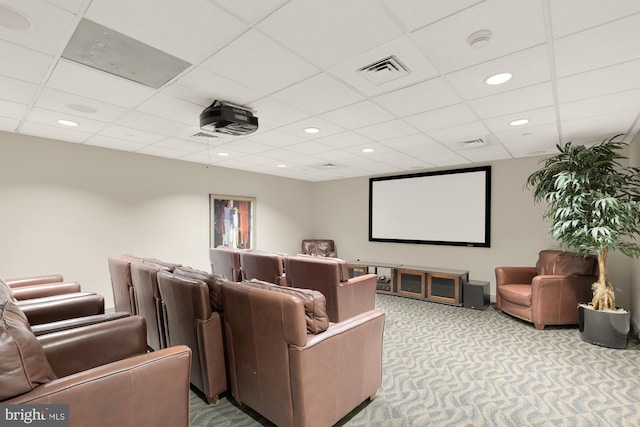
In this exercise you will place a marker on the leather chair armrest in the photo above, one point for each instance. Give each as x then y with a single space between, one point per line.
62 325
147 390
356 296
60 307
34 280
515 275
78 349
44 290
556 290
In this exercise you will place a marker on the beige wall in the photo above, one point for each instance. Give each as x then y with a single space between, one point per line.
635 265
67 207
517 229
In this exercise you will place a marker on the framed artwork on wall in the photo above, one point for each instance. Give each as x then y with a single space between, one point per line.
231 221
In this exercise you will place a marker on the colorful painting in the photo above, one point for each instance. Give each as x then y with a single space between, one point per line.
231 222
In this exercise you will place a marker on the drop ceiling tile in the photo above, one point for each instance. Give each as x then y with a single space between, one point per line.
528 67
275 138
517 100
429 95
417 13
52 132
515 25
273 113
391 129
12 110
202 87
76 105
343 139
541 116
172 108
358 115
182 145
615 78
598 47
595 129
25 64
70 5
249 147
50 26
601 105
156 150
90 83
485 154
442 117
592 13
526 142
404 143
17 90
8 125
250 11
131 134
50 118
420 68
114 143
268 68
333 30
437 155
178 30
379 153
309 148
318 94
281 154
154 124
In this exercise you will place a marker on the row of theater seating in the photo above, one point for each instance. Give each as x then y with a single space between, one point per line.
346 296
57 346
276 348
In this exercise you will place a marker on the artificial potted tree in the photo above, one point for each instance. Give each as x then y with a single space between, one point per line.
593 203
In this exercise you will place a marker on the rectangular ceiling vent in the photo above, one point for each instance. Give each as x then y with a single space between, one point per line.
473 143
203 137
384 71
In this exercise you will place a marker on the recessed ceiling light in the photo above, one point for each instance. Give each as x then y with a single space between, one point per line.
223 154
67 122
12 19
311 130
368 150
479 39
282 165
498 79
519 122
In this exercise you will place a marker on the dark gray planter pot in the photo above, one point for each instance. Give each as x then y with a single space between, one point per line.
605 328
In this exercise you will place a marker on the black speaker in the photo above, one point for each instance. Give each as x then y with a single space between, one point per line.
475 294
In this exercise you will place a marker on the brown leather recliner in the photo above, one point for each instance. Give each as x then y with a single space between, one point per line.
319 247
124 297
226 261
144 277
190 320
101 371
263 266
58 305
346 297
287 374
549 293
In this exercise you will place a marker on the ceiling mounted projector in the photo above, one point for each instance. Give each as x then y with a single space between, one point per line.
224 117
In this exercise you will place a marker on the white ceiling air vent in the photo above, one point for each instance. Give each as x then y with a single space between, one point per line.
473 143
384 70
203 135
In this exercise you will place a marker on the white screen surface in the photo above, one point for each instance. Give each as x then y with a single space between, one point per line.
445 207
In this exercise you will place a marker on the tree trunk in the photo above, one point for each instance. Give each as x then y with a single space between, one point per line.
603 293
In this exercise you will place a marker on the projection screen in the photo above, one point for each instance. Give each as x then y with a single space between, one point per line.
450 207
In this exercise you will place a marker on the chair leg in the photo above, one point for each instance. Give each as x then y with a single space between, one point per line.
539 326
212 400
372 397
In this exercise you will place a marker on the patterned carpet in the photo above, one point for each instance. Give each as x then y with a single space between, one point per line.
452 366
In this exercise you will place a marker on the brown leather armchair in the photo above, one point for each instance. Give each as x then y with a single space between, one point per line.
549 293
289 375
262 266
191 321
346 297
101 371
319 247
226 261
30 287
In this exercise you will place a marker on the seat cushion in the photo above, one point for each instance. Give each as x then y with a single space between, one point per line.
516 294
23 364
315 304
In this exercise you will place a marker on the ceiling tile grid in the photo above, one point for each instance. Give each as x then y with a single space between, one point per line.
300 64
